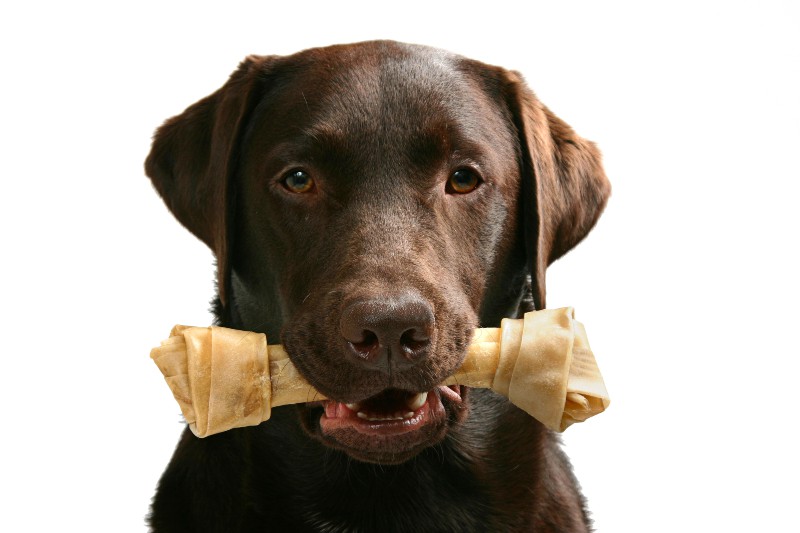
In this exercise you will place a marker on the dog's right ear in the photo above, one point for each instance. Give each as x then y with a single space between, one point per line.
193 158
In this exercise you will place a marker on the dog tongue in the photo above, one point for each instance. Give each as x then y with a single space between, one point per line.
335 409
452 392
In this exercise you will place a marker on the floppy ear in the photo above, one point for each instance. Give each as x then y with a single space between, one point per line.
194 156
564 186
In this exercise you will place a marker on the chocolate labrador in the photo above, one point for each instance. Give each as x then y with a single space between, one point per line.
369 205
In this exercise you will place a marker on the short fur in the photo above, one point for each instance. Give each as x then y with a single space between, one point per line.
380 126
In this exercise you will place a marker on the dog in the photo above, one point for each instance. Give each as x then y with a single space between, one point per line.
370 205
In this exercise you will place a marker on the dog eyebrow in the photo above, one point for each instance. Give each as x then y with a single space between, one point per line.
325 135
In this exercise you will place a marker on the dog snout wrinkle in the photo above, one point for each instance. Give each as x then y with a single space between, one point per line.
388 333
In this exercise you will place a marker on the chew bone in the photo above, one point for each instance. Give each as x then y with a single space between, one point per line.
224 378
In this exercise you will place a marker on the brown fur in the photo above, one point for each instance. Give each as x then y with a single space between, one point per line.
380 126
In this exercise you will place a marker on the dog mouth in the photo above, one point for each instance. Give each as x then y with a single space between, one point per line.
391 412
391 426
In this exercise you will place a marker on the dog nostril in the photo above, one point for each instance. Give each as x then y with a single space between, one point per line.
367 345
413 341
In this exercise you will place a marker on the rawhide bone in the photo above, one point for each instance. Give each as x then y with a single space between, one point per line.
224 378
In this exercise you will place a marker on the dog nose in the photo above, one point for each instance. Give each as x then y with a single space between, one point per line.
388 333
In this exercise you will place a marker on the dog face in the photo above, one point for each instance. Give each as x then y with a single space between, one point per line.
374 203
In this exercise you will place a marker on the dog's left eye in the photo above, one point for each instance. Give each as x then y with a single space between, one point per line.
462 181
298 181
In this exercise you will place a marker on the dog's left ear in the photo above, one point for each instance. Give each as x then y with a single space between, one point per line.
564 186
193 158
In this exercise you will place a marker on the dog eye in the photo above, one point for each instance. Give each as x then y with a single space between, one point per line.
298 181
462 181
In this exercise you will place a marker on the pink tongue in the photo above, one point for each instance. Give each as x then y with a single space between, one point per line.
336 409
450 392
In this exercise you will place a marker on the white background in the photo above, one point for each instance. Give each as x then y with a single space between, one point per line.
688 285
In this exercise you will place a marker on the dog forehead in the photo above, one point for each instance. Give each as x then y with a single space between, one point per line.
383 91
375 77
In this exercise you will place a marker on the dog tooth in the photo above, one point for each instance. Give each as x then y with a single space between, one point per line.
385 418
353 406
417 401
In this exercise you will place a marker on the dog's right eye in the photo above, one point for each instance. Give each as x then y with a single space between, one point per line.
298 181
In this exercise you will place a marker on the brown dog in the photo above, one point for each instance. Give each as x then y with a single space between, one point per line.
371 204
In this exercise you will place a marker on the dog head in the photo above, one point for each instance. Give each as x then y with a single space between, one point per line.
374 203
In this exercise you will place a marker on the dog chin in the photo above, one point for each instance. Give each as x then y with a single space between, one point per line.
389 428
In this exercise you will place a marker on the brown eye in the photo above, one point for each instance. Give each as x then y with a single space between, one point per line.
298 181
462 181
